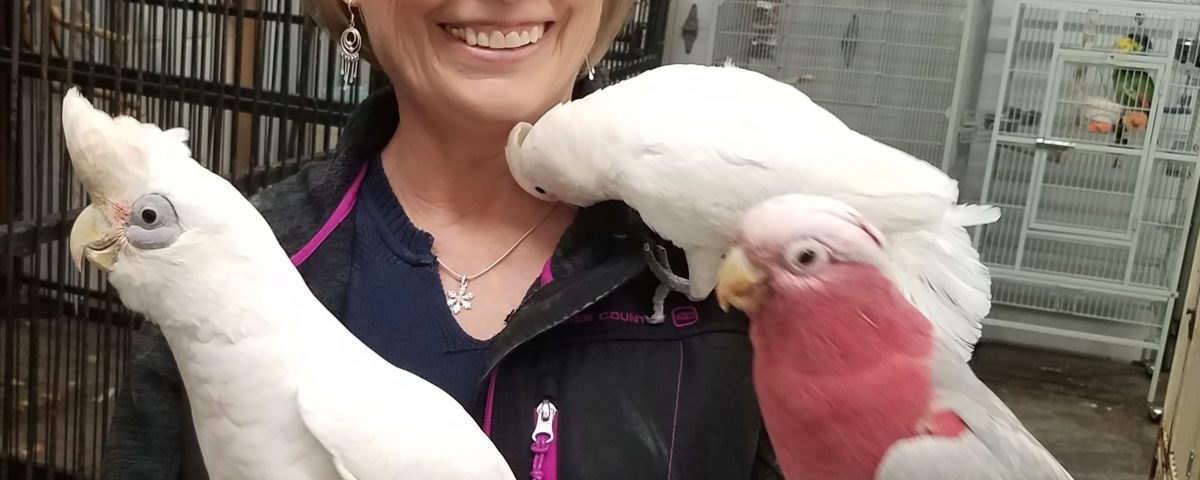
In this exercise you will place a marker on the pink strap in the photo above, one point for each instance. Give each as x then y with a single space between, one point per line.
339 214
546 277
487 411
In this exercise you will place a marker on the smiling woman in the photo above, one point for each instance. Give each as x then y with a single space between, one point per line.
415 235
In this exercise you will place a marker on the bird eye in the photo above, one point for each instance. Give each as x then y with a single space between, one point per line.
540 190
152 211
154 224
805 255
149 215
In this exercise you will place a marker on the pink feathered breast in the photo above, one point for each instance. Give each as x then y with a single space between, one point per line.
841 373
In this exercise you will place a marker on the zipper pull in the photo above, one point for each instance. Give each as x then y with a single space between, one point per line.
545 421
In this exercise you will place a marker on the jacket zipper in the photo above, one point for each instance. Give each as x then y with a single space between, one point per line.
545 448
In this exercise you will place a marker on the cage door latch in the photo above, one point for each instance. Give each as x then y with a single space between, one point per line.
1054 148
1057 145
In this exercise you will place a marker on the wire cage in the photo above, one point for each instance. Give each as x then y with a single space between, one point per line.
639 45
251 80
904 72
1097 185
257 85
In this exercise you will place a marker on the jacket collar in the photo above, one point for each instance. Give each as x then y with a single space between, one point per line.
599 252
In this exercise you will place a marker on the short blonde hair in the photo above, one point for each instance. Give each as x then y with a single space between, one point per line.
333 16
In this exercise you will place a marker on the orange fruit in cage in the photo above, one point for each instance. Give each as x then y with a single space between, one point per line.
1136 120
1099 127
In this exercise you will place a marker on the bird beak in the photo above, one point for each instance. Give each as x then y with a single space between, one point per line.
738 282
94 237
516 138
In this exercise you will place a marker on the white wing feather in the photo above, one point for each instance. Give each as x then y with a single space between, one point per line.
940 273
351 407
995 446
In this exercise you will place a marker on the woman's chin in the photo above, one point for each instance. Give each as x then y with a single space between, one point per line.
506 102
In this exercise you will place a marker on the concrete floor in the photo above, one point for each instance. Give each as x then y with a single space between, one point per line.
1091 414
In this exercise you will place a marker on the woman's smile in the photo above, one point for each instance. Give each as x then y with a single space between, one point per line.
492 43
498 37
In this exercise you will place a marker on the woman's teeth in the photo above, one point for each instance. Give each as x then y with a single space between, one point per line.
495 39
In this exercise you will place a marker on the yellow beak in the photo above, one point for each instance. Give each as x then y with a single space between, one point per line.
738 282
93 237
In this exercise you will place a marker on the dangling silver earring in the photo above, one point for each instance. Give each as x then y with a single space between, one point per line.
350 44
591 72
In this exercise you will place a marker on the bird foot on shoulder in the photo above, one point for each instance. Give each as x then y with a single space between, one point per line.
656 260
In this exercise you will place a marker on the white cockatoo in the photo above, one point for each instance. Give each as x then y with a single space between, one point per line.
279 389
691 147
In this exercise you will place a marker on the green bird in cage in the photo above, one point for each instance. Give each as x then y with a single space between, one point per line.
1134 88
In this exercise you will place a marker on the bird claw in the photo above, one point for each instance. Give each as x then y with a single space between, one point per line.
657 260
661 267
660 298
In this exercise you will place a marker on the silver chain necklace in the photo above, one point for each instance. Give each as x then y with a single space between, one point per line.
459 300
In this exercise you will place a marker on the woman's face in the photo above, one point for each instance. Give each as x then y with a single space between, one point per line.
496 61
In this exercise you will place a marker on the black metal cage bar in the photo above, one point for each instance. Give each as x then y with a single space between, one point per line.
252 81
255 81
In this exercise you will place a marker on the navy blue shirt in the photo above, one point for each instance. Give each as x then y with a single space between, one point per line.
395 300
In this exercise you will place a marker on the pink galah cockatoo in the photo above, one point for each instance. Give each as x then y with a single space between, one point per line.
852 381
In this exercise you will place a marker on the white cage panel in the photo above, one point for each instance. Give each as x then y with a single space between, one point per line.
900 71
998 242
1098 26
1083 303
1027 75
1171 193
1074 258
1088 190
1178 134
1093 165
